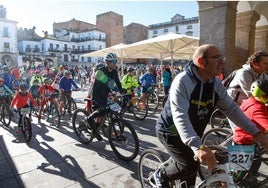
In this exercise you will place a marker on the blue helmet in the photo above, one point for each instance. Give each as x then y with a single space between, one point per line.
24 86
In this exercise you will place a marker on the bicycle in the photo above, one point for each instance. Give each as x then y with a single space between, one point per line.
221 176
5 111
51 110
133 104
152 99
25 124
69 105
121 135
218 119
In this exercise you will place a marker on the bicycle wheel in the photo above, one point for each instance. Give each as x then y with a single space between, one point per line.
26 129
139 110
81 127
6 115
149 162
164 100
123 139
217 137
74 105
152 101
218 120
55 115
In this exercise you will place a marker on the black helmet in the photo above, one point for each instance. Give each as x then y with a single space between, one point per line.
111 57
47 80
24 86
130 69
259 88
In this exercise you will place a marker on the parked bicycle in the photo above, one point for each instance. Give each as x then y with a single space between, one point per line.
25 124
121 135
51 110
5 112
152 99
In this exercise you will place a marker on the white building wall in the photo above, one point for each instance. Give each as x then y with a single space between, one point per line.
12 35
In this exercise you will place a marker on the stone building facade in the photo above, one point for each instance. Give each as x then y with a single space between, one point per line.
135 32
112 24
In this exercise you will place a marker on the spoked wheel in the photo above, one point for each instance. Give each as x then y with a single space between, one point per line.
218 120
153 101
149 162
55 116
139 109
217 137
6 115
81 127
123 140
27 129
74 105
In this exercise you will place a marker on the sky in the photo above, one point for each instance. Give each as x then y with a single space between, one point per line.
42 14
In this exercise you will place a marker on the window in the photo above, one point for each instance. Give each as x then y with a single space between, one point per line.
88 47
177 29
155 32
165 30
6 47
57 46
51 46
189 33
189 27
5 32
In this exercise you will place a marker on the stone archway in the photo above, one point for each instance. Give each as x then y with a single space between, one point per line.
7 60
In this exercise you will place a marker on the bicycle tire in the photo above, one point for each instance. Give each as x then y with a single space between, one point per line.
140 111
164 100
217 137
123 139
152 101
27 129
6 115
218 120
149 162
83 132
55 115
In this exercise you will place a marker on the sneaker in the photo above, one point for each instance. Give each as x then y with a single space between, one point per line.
159 181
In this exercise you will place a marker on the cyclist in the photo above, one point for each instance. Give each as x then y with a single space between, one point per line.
255 108
34 89
65 86
147 80
193 96
9 79
166 79
22 99
106 79
5 92
254 69
45 91
129 81
37 76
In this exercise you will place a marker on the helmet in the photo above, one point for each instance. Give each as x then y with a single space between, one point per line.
259 88
66 73
149 69
36 80
24 86
47 80
111 57
5 68
130 69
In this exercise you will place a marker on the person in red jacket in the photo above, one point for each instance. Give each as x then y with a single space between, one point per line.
22 99
256 109
45 91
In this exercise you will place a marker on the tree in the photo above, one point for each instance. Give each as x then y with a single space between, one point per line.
3 12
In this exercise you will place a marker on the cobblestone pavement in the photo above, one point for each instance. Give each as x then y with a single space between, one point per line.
55 158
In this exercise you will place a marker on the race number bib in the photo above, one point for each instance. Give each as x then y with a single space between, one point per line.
240 156
115 107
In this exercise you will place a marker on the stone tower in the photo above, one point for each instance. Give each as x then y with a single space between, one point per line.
112 24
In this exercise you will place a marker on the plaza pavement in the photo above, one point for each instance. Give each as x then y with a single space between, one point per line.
54 158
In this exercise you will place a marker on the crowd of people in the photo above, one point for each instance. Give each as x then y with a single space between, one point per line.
192 96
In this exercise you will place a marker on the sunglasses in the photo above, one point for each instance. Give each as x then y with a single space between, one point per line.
114 61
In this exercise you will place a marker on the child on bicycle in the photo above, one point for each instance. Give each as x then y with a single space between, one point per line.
45 91
5 92
256 109
34 89
22 99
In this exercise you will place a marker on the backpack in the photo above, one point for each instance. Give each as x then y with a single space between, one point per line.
226 81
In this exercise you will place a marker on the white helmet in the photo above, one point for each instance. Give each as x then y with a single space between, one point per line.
111 57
